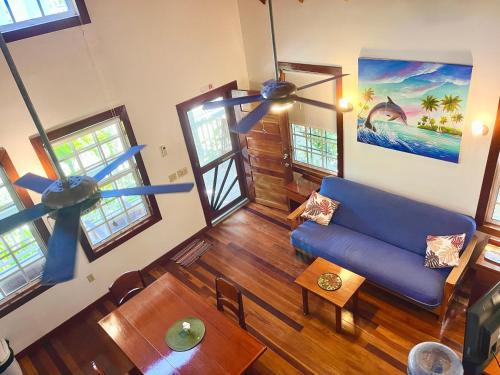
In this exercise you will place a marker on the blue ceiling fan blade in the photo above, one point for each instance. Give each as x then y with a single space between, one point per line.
34 182
232 102
249 121
146 190
117 162
61 256
24 216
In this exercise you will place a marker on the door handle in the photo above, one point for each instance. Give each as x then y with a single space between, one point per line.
285 156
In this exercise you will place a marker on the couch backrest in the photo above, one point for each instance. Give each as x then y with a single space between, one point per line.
391 218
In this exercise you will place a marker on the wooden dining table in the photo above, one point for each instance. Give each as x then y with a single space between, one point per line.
140 325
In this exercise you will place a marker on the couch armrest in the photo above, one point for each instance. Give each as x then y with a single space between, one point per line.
294 218
457 272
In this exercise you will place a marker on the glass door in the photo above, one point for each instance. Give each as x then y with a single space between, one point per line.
214 153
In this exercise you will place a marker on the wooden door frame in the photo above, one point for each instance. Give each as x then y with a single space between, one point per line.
321 69
182 110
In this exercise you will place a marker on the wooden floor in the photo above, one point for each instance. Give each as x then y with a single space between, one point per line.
254 252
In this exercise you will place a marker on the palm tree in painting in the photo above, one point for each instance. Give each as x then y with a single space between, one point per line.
442 121
430 104
432 123
457 118
424 120
367 96
451 103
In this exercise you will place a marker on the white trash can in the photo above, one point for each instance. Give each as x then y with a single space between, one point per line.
8 363
433 358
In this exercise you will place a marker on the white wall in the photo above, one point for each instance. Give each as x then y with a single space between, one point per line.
336 31
149 58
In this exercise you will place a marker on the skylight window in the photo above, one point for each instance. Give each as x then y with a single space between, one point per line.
25 18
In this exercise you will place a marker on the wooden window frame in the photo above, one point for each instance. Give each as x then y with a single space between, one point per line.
313 173
488 184
60 132
82 18
35 290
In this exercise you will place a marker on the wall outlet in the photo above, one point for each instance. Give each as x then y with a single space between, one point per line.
90 278
182 172
163 151
172 177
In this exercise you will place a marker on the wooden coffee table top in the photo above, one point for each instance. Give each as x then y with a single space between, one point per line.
350 281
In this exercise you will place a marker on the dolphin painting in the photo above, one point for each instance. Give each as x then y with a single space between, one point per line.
390 109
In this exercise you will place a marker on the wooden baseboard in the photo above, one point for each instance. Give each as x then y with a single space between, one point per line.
165 257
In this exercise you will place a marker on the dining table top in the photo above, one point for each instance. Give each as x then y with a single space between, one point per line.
140 325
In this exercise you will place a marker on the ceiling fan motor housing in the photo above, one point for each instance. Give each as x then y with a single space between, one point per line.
274 90
74 190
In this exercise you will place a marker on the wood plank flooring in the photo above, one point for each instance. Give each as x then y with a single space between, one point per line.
253 251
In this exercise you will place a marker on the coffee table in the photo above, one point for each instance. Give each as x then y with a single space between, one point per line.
351 282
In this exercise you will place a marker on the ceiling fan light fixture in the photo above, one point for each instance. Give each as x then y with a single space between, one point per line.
282 106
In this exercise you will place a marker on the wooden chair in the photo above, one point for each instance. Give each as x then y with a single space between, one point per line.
127 286
229 296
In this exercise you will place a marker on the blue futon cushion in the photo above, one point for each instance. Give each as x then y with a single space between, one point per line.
391 267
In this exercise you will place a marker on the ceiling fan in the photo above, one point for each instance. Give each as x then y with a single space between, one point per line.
275 94
67 198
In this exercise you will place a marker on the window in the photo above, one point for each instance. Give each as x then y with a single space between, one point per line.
314 147
24 18
488 208
22 250
87 147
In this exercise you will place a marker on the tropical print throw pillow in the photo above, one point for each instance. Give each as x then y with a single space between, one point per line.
320 209
443 251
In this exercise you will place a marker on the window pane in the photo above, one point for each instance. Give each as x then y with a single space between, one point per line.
63 151
25 9
99 234
34 270
12 283
137 212
314 147
107 133
5 17
7 265
119 222
92 219
83 142
70 167
54 6
210 133
90 157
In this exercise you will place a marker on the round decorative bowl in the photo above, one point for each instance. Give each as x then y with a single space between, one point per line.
180 339
329 281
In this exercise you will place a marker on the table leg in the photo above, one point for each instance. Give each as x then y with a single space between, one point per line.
354 307
338 319
305 301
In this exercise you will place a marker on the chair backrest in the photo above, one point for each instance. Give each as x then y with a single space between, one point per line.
392 218
228 295
126 286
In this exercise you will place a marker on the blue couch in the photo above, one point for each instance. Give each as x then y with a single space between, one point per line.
382 237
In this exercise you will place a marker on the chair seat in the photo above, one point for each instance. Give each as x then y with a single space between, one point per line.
389 266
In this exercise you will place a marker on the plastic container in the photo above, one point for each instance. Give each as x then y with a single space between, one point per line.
433 358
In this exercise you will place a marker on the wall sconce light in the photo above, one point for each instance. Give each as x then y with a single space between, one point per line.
479 128
344 105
